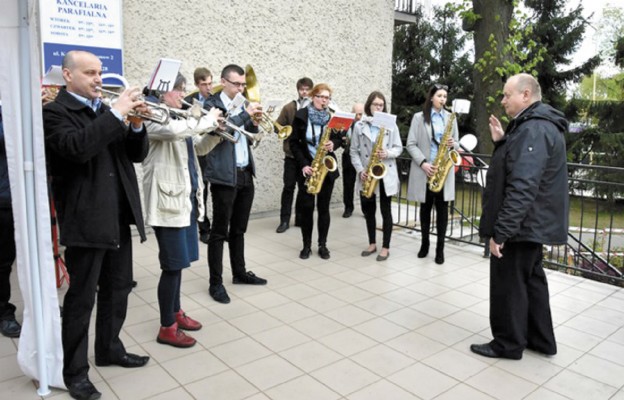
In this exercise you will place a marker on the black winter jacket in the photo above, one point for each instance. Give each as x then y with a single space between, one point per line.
220 166
526 193
90 160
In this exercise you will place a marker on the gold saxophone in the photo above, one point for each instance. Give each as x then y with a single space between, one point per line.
321 165
445 160
376 169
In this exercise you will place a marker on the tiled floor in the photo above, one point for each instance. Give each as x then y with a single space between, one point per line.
353 328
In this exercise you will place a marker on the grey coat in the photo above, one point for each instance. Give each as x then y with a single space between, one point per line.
360 151
418 146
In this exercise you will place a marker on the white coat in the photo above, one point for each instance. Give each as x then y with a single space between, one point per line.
361 148
166 178
419 148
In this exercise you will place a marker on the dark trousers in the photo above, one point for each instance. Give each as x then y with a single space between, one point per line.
322 201
441 208
291 170
519 302
204 225
348 180
169 296
369 209
7 257
110 273
230 215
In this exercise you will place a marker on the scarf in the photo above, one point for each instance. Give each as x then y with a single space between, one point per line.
317 117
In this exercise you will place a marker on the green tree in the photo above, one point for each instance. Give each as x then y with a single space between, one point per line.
426 52
560 32
606 88
610 34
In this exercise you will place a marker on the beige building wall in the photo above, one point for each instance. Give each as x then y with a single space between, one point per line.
345 43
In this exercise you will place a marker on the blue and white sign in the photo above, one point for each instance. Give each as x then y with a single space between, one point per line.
90 25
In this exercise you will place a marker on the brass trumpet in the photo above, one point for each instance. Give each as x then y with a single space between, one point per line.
197 111
158 113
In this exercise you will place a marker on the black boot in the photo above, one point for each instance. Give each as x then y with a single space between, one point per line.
424 249
439 258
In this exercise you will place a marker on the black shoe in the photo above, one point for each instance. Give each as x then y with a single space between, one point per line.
248 279
347 213
203 237
486 350
218 293
367 253
134 283
129 360
323 252
304 254
283 227
83 390
439 258
10 328
424 250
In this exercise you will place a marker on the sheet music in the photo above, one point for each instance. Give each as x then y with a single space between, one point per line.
461 106
164 75
384 120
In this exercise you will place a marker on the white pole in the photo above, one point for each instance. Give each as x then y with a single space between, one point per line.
26 111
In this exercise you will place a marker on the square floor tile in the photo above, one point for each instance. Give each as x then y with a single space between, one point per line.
240 352
382 360
269 371
423 381
302 388
227 385
488 381
345 376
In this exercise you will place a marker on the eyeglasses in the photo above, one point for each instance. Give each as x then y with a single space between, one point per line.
318 96
237 84
438 86
378 105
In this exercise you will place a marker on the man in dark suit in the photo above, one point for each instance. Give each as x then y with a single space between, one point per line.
90 153
291 169
203 81
230 169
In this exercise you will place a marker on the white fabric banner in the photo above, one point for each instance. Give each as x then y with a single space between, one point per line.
27 173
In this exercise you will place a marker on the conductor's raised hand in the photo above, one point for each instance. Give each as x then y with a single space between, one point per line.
496 129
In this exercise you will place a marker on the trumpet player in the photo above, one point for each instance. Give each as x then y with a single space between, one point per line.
90 154
308 128
423 142
364 138
291 170
230 169
174 203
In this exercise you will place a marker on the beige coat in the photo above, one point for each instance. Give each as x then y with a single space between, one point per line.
361 147
166 178
419 148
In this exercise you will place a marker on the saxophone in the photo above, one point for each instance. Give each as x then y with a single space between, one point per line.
376 169
445 160
321 165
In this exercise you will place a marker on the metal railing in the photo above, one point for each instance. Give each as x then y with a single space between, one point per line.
595 247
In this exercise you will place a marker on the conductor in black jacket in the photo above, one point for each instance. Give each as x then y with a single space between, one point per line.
230 168
525 205
90 153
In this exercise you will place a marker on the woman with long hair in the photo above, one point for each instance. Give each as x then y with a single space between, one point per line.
308 127
423 141
363 140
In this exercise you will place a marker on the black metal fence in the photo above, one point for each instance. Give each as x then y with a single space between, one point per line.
595 247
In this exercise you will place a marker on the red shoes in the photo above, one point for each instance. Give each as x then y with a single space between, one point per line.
173 336
187 323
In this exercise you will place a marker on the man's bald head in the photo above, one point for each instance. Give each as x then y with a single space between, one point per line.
358 110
